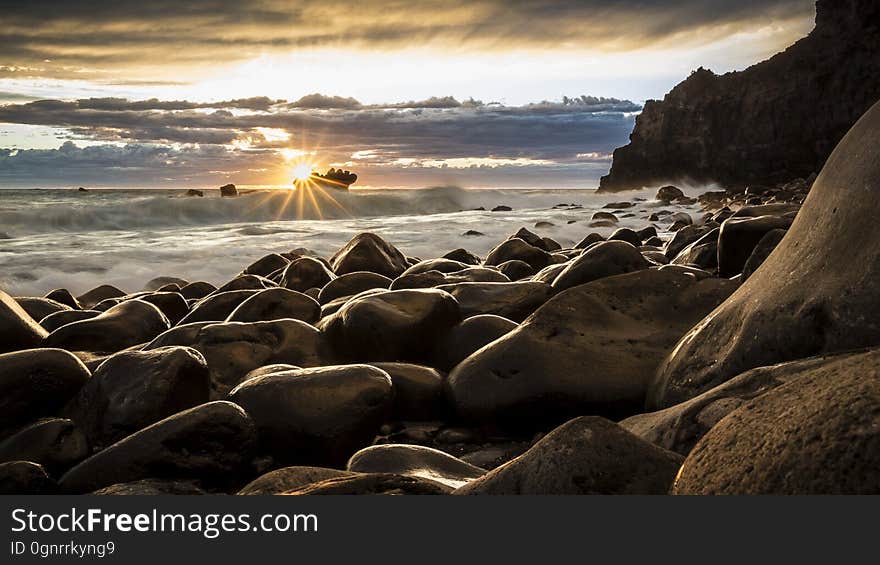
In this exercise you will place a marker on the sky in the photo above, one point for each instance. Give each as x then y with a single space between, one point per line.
474 93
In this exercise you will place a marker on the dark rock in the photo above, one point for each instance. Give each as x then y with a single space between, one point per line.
627 235
374 483
369 252
54 321
172 304
513 300
55 443
519 249
430 279
269 369
192 192
63 296
197 290
217 307
305 273
516 270
152 487
728 128
19 330
245 282
605 259
159 282
129 323
133 389
604 216
25 477
352 283
317 416
739 237
276 304
550 244
763 250
549 273
703 252
587 455
228 190
816 434
38 307
685 237
618 205
473 233
266 265
36 383
557 364
397 325
589 240
212 442
502 208
97 294
463 256
334 305
439 265
669 194
467 337
290 478
415 461
419 391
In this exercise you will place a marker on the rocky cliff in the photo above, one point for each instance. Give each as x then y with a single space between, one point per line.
773 122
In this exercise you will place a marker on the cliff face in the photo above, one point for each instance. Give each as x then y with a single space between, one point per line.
773 122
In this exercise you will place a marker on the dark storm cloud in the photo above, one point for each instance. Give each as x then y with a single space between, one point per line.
440 132
78 36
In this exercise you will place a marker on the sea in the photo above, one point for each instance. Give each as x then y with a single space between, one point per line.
125 237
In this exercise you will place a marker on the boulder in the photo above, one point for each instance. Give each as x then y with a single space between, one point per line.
763 250
25 477
228 190
414 461
54 321
703 252
99 293
197 290
128 323
591 349
245 282
217 307
463 256
739 237
441 265
133 389
350 284
55 443
604 259
669 194
38 307
276 304
589 240
317 416
513 300
587 455
373 483
397 325
419 391
814 294
159 282
815 434
233 349
518 249
266 265
305 273
18 329
63 296
172 304
627 235
516 270
430 279
36 383
152 487
369 252
685 237
290 478
212 442
467 337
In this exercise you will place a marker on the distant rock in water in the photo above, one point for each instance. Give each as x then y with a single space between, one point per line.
200 194
773 122
228 190
81 189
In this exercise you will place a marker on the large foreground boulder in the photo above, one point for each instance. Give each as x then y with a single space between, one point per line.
17 328
816 293
128 323
55 443
591 349
605 259
588 455
816 434
369 252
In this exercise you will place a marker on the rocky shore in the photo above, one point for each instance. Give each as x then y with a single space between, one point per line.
725 353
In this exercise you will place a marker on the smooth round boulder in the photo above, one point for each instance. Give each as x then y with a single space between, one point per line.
350 284
589 240
197 290
669 194
375 484
218 306
604 259
172 304
290 478
414 461
463 256
520 250
36 383
703 253
164 281
128 323
152 487
317 416
276 304
38 307
587 455
305 273
55 443
266 265
763 250
97 294
516 270
63 296
467 337
513 300
627 235
815 434
54 321
815 294
419 391
591 349
369 252
25 477
18 328
133 389
212 442
739 237
245 282
396 325
441 265
685 237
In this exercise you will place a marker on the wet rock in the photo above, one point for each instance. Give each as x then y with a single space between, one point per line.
97 294
397 325
467 337
352 283
473 233
25 477
133 389
557 364
129 323
414 461
217 307
228 191
269 369
276 304
197 290
419 391
655 257
289 479
63 296
549 273
373 483
516 270
739 237
816 434
266 265
18 329
669 194
172 304
54 321
463 256
36 383
587 455
440 265
233 349
604 259
702 253
502 208
589 240
604 216
152 487
159 282
245 282
627 235
305 273
55 443
618 205
550 244
317 416
763 250
212 442
431 279
369 252
517 248
38 307
513 300
685 237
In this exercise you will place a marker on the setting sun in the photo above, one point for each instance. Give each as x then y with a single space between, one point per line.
302 171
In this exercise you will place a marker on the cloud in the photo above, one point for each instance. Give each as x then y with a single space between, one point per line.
382 142
65 39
